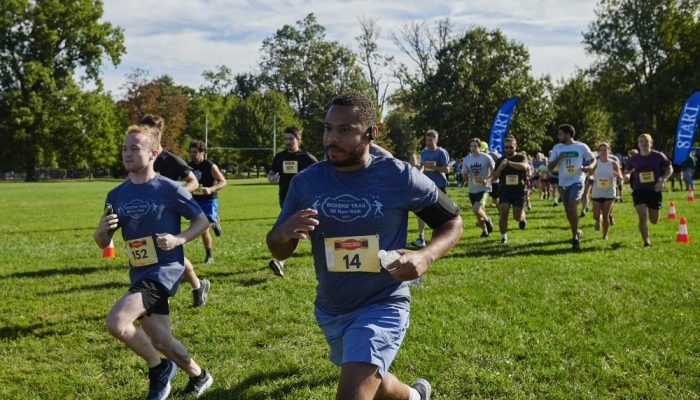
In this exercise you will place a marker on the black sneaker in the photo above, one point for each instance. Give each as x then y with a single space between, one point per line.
504 241
208 260
575 244
198 384
216 227
160 377
199 296
612 220
423 388
522 224
277 268
485 234
489 225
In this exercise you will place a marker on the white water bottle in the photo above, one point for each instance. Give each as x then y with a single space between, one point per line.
388 257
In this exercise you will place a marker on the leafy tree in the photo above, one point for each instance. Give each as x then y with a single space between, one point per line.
250 124
309 71
159 96
86 130
374 63
401 133
641 47
474 74
43 43
577 102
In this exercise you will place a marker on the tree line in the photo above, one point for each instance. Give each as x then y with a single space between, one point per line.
646 62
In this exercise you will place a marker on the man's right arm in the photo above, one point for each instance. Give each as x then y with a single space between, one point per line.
274 169
554 160
105 230
283 239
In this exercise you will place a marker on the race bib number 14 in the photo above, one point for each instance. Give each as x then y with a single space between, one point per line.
352 254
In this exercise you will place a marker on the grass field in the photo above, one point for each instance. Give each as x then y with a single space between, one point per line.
530 320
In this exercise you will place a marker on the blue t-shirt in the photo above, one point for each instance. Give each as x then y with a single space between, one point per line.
149 208
373 200
441 159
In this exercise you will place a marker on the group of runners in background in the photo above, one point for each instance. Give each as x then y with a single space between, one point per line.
349 206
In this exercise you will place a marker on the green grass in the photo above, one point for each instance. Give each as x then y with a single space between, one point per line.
528 321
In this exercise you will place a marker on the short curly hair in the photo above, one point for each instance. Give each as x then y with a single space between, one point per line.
365 107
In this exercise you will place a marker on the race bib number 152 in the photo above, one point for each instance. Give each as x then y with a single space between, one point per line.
141 251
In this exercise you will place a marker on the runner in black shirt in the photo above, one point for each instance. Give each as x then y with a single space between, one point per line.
512 171
285 165
171 166
211 180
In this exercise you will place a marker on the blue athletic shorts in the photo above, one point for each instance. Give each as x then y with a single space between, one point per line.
210 208
372 334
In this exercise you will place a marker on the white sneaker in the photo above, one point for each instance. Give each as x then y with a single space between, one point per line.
423 388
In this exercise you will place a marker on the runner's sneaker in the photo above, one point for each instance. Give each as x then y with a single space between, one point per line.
160 377
489 225
522 224
216 226
419 242
575 244
485 234
612 220
277 268
423 388
504 241
198 384
208 260
596 226
199 296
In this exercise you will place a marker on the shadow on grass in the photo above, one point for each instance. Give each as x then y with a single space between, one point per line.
91 288
281 390
22 232
47 273
44 329
497 250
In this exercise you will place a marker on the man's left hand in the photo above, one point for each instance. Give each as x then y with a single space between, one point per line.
168 242
409 266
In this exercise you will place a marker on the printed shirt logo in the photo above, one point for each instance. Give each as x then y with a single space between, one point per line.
347 208
351 244
475 168
197 174
137 208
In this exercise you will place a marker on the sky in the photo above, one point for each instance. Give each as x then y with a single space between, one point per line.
187 37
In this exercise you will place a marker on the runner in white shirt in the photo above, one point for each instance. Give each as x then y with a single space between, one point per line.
568 158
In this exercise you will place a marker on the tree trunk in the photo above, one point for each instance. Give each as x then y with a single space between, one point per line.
30 168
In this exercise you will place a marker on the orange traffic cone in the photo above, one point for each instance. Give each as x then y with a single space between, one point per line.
691 194
682 235
108 252
671 210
